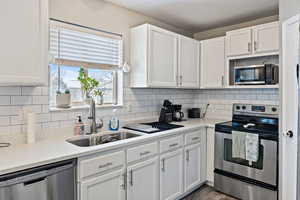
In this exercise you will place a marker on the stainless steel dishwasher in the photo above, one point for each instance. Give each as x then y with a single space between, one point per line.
49 182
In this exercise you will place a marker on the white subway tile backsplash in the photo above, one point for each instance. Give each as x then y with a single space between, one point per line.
4 121
4 100
10 110
21 100
40 100
31 91
10 91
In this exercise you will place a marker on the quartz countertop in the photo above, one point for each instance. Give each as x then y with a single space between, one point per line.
53 149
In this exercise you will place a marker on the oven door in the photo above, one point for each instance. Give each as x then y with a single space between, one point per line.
252 75
264 170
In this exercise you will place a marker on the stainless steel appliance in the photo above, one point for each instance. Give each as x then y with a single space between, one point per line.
236 176
267 74
50 182
178 115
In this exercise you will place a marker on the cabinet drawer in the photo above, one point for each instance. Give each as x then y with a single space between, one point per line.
142 151
193 137
170 144
101 163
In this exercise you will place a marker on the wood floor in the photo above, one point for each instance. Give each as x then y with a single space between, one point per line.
207 193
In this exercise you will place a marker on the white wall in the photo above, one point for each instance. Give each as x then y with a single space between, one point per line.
218 32
103 15
288 8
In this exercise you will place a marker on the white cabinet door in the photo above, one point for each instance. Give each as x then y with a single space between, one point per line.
213 63
188 62
162 64
109 186
192 170
171 175
289 144
266 38
239 42
142 180
23 50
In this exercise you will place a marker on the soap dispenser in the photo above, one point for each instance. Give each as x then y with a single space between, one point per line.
79 127
114 122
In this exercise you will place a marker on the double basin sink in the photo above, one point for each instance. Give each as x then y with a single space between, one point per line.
98 139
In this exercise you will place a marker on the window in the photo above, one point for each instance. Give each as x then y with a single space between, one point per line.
100 54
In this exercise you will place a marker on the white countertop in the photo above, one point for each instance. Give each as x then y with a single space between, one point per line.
53 149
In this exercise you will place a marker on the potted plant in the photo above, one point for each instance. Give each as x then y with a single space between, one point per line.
88 85
98 93
63 100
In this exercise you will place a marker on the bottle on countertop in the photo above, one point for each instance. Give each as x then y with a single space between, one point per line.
79 127
114 122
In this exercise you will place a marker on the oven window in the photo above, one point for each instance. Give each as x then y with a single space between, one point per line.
228 156
243 75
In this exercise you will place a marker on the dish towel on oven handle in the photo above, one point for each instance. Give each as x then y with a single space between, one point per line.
252 147
238 144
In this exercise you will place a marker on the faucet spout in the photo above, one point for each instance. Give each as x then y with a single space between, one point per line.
92 117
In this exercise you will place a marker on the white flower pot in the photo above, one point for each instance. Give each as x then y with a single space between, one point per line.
63 100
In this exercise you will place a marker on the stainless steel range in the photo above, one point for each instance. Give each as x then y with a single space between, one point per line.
246 153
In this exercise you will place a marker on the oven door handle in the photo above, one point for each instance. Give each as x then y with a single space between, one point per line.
297 74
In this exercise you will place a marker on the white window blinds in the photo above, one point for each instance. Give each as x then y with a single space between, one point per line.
70 45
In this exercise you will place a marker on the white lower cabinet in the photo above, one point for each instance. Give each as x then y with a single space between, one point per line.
109 186
192 166
148 172
142 180
171 175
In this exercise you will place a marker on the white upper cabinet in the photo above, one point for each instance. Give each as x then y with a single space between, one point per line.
23 51
266 38
163 59
188 62
239 42
213 63
256 40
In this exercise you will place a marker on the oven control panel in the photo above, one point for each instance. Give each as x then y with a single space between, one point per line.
255 109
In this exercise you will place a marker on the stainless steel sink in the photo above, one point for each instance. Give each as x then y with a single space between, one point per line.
93 140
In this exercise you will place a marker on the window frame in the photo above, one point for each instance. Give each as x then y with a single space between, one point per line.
117 81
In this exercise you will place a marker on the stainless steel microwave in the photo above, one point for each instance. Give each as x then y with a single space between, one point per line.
267 74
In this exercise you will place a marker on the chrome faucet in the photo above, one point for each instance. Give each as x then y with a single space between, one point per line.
93 125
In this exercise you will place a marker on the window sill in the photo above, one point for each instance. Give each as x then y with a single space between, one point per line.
84 107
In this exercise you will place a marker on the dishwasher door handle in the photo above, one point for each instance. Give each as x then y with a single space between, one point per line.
34 181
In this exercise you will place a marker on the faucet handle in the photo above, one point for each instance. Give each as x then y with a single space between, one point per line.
100 124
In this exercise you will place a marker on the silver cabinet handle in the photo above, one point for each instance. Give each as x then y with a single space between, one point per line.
222 81
144 153
123 186
255 45
131 178
181 80
163 165
105 165
187 155
173 145
249 47
195 138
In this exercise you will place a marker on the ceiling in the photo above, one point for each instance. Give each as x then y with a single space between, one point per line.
199 15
